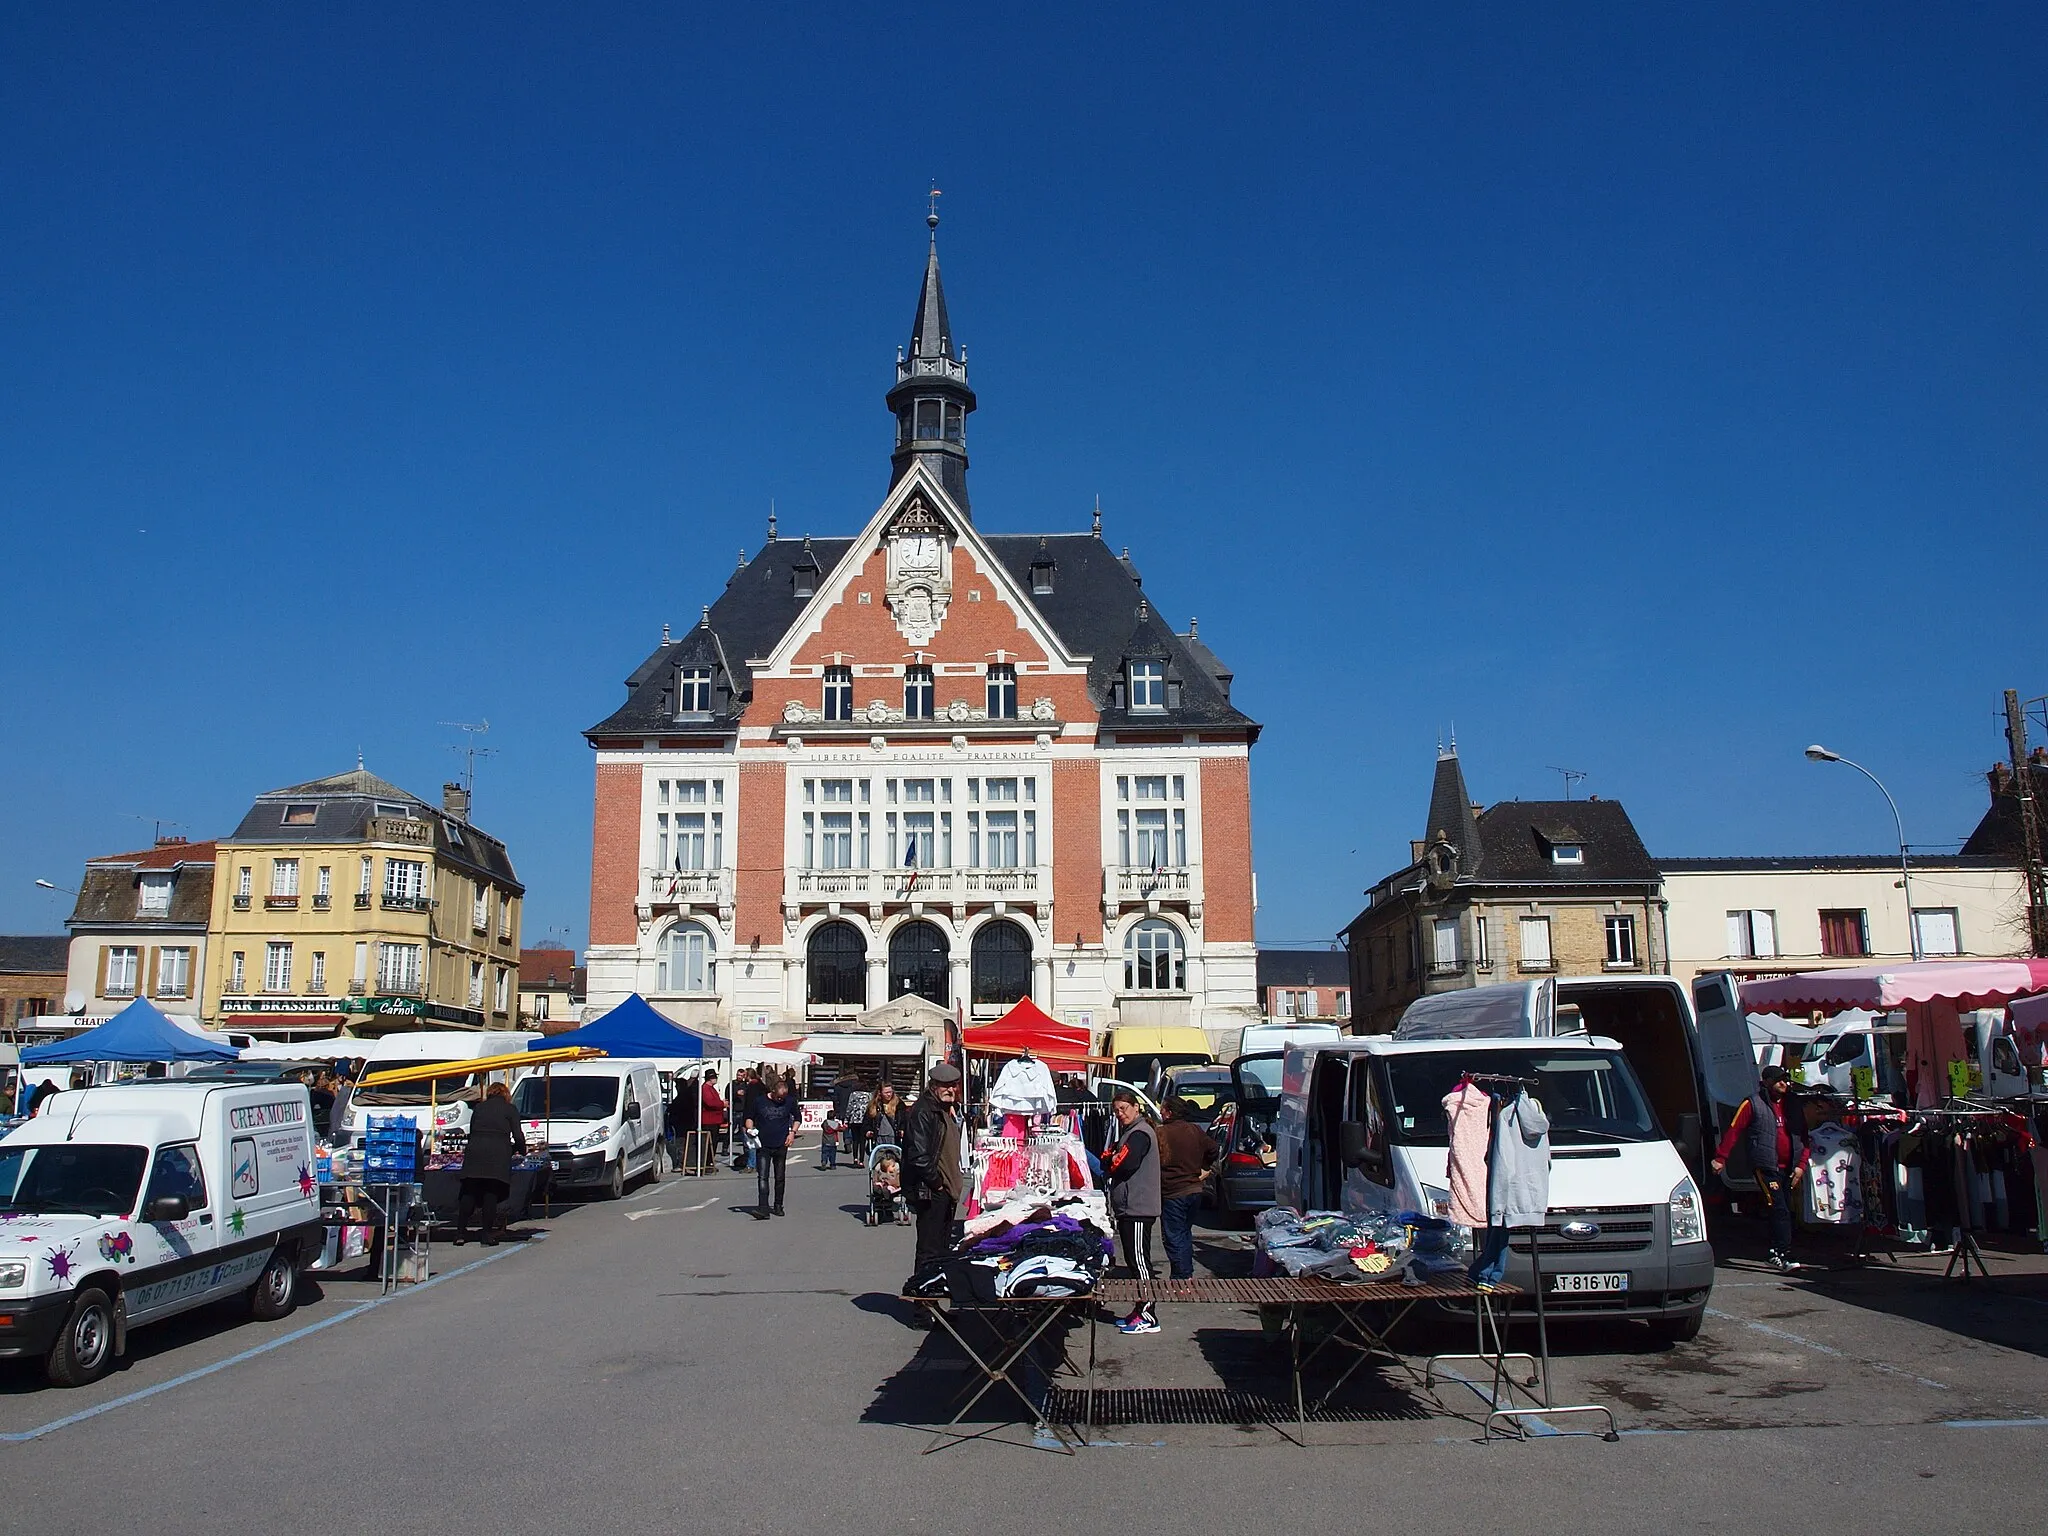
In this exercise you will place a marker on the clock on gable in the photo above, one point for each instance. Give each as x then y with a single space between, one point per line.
919 586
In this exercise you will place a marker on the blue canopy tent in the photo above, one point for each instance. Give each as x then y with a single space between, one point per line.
635 1029
139 1032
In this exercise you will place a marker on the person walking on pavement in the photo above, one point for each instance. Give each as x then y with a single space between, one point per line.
494 1133
1775 1131
1185 1155
1132 1168
931 1169
774 1116
711 1109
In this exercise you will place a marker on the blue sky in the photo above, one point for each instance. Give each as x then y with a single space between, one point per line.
1642 390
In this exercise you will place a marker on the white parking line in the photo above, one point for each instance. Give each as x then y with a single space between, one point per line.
261 1349
1825 1349
670 1210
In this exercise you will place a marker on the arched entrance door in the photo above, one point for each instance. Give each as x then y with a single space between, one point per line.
918 963
1001 963
836 966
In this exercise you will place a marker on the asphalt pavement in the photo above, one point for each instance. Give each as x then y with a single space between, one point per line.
669 1359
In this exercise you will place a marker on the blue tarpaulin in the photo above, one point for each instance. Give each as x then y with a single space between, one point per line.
635 1029
138 1032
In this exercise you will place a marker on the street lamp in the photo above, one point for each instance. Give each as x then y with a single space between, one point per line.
49 885
1821 754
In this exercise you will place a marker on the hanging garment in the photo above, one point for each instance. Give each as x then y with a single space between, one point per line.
1467 1109
1024 1087
1834 1177
1518 1165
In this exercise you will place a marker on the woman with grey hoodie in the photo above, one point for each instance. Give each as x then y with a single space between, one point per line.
1131 1169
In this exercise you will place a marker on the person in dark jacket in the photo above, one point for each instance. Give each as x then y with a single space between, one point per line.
775 1116
931 1170
1132 1169
1185 1154
494 1134
1774 1129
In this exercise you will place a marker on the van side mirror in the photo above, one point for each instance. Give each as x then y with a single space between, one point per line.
168 1208
632 1109
1351 1147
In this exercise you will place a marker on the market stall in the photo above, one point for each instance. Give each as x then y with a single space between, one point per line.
140 1033
1947 1164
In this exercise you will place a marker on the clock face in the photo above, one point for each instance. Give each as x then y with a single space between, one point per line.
919 552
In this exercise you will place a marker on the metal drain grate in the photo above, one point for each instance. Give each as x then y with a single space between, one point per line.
1206 1405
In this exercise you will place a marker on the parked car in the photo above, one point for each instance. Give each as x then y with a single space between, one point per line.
1205 1089
599 1122
1244 1136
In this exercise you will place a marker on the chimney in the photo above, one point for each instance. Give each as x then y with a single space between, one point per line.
170 842
2001 780
455 801
1415 847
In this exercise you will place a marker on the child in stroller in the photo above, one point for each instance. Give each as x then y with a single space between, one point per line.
885 1186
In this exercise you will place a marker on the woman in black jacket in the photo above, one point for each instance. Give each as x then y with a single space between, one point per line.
494 1133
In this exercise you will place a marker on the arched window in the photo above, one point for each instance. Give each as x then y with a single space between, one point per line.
686 963
917 963
1155 959
837 968
1001 965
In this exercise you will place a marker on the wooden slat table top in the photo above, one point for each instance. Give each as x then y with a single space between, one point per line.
1285 1290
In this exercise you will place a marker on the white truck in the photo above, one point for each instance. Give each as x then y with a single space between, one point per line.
125 1204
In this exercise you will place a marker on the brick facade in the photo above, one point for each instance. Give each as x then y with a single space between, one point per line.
615 854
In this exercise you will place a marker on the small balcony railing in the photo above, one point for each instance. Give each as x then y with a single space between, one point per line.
241 900
396 903
817 887
1169 882
322 903
275 903
362 901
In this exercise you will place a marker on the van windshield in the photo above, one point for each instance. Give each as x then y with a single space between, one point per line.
74 1179
568 1098
1146 1067
416 1093
1590 1096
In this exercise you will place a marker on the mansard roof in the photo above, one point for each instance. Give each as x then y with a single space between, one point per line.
1097 607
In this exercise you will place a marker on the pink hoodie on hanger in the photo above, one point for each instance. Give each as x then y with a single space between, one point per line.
1466 1108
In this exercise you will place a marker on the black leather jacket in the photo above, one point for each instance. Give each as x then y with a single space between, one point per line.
924 1135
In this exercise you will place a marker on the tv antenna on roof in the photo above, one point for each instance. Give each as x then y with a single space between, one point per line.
158 822
470 752
1571 776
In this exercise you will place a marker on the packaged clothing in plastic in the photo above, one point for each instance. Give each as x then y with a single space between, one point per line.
1024 1087
1834 1177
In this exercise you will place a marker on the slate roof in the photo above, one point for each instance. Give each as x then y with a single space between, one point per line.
1450 811
34 954
111 891
1303 968
1998 835
346 803
1516 837
1097 607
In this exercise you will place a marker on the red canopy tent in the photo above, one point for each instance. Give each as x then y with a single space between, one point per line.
1028 1027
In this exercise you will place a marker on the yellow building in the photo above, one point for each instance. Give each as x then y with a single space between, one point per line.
348 902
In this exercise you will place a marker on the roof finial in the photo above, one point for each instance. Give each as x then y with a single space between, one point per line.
931 217
1144 606
664 631
359 759
1098 514
705 622
743 558
771 519
1194 627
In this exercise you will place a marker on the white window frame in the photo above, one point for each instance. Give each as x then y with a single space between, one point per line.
920 697
1148 687
692 971
369 876
501 991
693 691
124 970
284 878
245 882
480 909
277 966
1002 692
154 897
174 971
405 880
476 984
1753 934
838 693
238 971
399 968
1619 930
1482 947
1155 957
1567 853
316 972
1528 930
1446 940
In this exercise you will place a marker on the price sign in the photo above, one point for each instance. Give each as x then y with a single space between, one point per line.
1863 1081
1959 1079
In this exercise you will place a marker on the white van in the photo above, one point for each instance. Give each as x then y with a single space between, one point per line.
1361 1127
432 1106
599 1121
131 1203
1258 1038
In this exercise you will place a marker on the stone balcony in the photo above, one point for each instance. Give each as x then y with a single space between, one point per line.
1027 887
1172 885
685 890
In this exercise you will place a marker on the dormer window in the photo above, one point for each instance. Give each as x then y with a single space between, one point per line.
1567 853
839 693
156 895
1041 576
301 815
805 573
1148 685
693 691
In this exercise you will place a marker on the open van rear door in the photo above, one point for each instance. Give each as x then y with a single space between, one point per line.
1725 1049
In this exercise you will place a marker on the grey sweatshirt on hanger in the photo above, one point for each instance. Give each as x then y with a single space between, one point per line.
1518 1167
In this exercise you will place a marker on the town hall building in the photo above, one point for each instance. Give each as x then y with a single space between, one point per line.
927 759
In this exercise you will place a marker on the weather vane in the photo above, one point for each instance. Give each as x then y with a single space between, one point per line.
932 216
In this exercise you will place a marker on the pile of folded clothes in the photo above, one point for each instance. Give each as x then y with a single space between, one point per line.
1056 1256
1367 1248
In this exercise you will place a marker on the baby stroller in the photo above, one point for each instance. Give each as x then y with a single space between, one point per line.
885 1185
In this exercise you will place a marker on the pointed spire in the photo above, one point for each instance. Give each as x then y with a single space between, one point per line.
931 399
931 335
1098 515
771 519
1451 815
